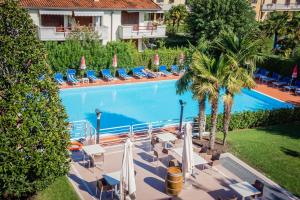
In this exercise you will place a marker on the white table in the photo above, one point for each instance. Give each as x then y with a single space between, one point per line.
84 80
113 179
244 189
166 137
92 150
198 160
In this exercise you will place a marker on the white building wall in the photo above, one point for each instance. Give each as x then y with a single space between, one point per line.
141 19
112 19
35 16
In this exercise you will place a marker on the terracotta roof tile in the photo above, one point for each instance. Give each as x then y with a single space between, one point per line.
91 4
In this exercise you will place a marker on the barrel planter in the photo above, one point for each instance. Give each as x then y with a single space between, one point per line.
174 181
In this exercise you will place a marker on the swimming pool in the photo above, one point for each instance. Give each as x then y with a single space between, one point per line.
130 104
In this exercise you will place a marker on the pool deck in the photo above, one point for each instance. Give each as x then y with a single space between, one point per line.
207 184
289 97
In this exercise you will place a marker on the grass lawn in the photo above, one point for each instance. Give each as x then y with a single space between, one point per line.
61 189
275 151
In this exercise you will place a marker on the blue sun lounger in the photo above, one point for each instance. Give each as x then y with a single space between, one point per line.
107 75
292 87
297 91
283 82
175 70
122 73
71 76
263 73
147 73
137 72
275 77
91 75
58 77
163 69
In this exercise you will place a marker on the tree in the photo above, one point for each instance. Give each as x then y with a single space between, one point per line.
177 14
210 76
189 81
241 55
33 127
209 17
285 27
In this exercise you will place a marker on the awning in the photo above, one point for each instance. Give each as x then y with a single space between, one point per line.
55 12
88 13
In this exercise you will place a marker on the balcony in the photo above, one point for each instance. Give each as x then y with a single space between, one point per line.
61 33
281 7
138 32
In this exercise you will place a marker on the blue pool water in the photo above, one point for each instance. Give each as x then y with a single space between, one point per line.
147 102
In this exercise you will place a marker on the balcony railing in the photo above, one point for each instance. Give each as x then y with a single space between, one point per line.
281 7
137 32
61 33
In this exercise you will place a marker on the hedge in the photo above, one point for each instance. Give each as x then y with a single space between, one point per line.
64 55
253 119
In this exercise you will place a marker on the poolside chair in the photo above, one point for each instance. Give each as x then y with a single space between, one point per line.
292 87
164 70
274 77
137 72
71 76
297 91
91 75
103 186
256 73
122 74
282 82
107 75
259 186
58 77
175 70
262 73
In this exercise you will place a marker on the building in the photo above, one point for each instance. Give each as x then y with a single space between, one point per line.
263 7
112 19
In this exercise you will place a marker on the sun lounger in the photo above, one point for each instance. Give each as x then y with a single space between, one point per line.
282 82
175 70
122 73
137 72
91 75
71 76
58 77
261 73
107 75
297 91
148 73
164 70
292 87
275 77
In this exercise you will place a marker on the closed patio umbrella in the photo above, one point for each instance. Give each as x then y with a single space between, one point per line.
295 72
181 58
127 180
115 60
156 59
187 154
82 63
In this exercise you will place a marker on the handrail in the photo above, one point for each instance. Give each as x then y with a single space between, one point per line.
84 129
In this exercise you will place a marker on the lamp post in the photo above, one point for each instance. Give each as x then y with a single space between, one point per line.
182 104
98 113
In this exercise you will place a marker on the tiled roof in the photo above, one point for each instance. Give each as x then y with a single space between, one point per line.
91 4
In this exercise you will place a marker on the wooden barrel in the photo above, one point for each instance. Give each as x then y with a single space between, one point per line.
174 181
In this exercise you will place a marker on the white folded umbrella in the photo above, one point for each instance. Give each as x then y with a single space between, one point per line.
127 180
187 154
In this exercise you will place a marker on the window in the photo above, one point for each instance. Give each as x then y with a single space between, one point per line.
274 1
52 20
148 16
171 1
297 1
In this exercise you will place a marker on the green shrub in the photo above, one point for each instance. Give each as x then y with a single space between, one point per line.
33 127
62 56
253 119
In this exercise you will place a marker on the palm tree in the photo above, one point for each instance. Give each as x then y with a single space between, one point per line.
189 82
241 55
209 73
177 15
